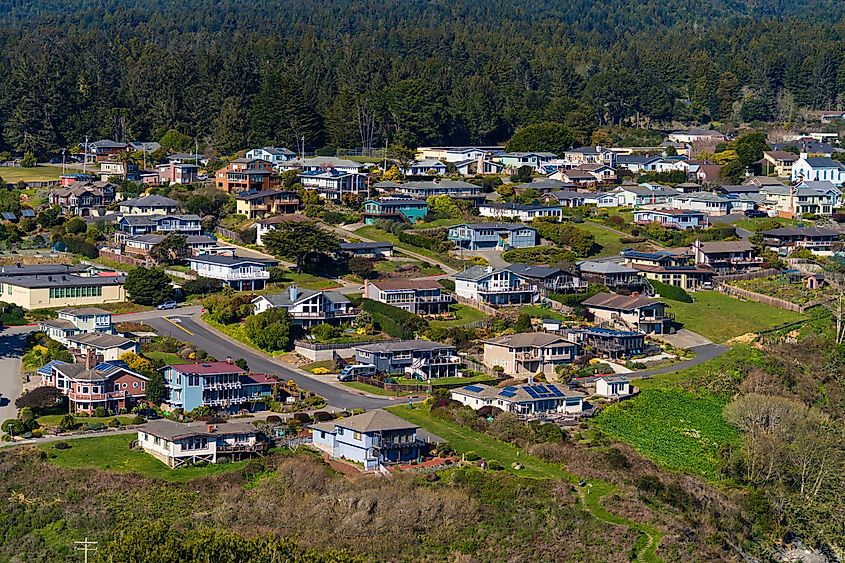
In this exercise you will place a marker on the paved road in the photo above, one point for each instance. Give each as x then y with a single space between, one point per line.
350 231
220 346
730 219
12 341
702 354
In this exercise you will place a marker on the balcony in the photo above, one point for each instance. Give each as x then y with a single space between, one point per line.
223 447
389 445
222 386
505 289
231 276
324 314
224 402
528 356
113 395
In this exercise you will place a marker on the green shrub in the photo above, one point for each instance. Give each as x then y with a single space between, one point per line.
494 465
95 426
138 420
114 423
101 412
394 321
11 426
471 456
672 292
61 446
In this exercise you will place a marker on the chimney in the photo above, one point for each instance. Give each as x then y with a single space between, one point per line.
90 359
292 292
803 155
212 428
530 379
229 360
635 294
366 289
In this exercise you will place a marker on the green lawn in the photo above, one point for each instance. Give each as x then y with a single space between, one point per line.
541 312
55 419
719 317
465 315
608 240
305 281
113 453
463 440
438 223
373 390
677 429
376 234
37 174
168 358
756 223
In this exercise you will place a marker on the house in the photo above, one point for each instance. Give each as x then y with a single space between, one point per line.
697 135
104 347
478 166
575 176
600 173
187 158
637 164
567 198
404 209
779 163
133 225
588 155
546 185
39 291
84 198
181 173
526 399
103 149
457 154
89 385
323 163
529 353
141 245
498 236
245 175
634 311
526 213
794 201
601 199
516 160
421 297
708 202
421 359
708 174
726 257
374 250
264 226
211 384
73 321
308 307
617 277
331 184
552 279
807 145
609 343
427 167
426 189
629 195
258 205
818 168
494 286
672 218
668 268
786 239
613 386
373 439
273 155
178 444
122 170
240 273
149 205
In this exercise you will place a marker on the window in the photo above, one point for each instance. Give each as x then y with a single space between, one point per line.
356 435
125 385
134 385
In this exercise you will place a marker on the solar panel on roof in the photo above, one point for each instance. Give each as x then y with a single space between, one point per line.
508 392
103 366
555 391
27 213
531 392
474 388
540 389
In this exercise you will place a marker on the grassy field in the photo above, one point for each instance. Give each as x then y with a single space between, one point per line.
541 312
450 381
55 419
37 174
718 317
438 223
756 223
608 240
376 234
465 314
113 453
373 390
166 357
677 429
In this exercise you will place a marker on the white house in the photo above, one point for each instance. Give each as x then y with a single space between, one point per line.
271 154
525 399
524 213
179 444
613 386
244 274
71 322
331 184
643 194
149 205
494 286
813 168
308 307
696 135
104 347
710 203
428 167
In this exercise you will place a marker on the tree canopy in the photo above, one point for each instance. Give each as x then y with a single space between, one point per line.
148 286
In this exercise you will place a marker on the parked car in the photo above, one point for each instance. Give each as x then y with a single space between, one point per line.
167 305
755 213
349 373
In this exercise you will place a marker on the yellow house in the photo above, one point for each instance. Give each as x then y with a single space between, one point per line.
61 290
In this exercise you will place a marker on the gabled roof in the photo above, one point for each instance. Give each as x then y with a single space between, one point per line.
477 273
283 299
403 345
529 340
534 272
400 284
494 226
207 368
150 201
100 340
374 421
619 302
822 162
805 231
84 311
604 267
221 260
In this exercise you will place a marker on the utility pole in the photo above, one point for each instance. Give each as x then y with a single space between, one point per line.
63 162
196 152
85 546
85 156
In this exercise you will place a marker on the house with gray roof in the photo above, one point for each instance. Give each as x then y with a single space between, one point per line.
818 168
529 353
178 444
89 385
493 236
630 195
425 189
238 272
308 307
75 321
421 359
634 312
105 347
495 286
528 399
521 212
550 278
149 205
612 274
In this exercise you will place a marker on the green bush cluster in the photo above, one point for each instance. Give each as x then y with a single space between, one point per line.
394 321
672 292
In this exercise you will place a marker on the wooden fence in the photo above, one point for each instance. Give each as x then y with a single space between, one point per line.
122 258
483 307
229 234
766 299
757 274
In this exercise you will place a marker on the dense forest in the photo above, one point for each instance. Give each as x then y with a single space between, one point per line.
362 73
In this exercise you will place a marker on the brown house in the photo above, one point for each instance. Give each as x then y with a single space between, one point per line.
246 175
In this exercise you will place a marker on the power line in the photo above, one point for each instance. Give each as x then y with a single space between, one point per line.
85 546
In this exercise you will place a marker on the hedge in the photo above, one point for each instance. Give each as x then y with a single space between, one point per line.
672 292
396 322
575 299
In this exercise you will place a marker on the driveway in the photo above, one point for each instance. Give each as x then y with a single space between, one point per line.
702 354
685 339
12 341
730 220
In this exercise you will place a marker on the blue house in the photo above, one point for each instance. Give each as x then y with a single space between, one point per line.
373 439
499 236
422 359
220 385
134 225
404 209
428 167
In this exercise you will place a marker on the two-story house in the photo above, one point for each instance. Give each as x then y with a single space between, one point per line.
588 155
273 155
133 225
633 311
181 173
74 321
527 399
373 439
141 245
643 194
707 202
516 160
332 184
672 218
529 353
669 268
486 236
421 297
404 209
212 384
264 226
549 278
495 286
238 272
611 274
89 385
818 168
779 163
426 189
258 205
794 201
427 167
607 342
84 198
149 205
104 347
521 212
245 175
178 444
422 359
726 257
308 307
816 239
